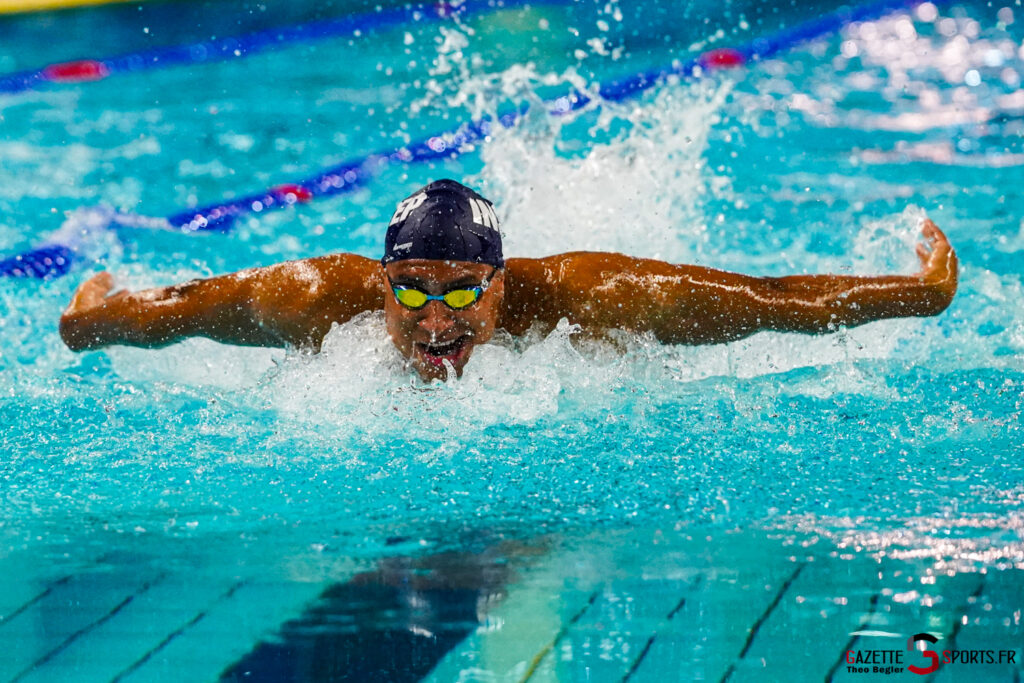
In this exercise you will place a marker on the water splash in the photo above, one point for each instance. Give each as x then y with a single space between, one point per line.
894 421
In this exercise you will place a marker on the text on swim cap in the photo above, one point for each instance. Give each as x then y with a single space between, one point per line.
407 206
483 213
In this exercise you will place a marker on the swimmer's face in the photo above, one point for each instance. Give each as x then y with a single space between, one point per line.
431 335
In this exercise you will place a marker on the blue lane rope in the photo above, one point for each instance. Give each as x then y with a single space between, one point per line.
53 260
233 47
49 261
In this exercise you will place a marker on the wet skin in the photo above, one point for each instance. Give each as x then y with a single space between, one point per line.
296 303
436 335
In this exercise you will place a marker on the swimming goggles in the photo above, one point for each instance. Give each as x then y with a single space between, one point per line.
455 299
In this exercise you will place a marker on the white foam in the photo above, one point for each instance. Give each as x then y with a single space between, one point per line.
638 188
359 380
639 194
195 362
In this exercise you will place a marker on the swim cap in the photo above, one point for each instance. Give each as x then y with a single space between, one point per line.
444 221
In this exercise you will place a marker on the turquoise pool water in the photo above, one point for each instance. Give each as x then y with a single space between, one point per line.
574 493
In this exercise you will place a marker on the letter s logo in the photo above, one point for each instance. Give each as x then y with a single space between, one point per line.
930 654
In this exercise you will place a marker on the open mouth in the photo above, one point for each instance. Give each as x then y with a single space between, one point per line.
438 352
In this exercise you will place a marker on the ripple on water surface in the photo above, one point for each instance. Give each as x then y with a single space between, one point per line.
898 436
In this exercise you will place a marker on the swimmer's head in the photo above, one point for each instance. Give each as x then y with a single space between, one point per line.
444 221
444 275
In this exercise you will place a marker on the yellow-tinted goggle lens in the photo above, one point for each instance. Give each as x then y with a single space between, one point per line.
413 298
457 298
460 298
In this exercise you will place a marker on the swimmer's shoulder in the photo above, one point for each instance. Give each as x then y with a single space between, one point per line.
544 290
333 275
348 282
305 297
570 270
595 289
350 270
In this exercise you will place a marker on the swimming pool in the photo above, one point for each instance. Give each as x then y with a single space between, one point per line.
564 511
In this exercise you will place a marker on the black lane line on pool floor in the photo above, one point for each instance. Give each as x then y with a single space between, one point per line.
85 629
49 589
177 632
865 622
961 615
650 641
539 657
760 621
962 612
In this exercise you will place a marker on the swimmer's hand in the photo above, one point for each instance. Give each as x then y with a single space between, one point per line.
93 292
90 295
939 266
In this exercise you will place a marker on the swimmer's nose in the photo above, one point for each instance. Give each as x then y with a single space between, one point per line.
436 318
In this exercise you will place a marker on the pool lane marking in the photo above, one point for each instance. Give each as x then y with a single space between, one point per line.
88 627
962 611
236 47
961 615
53 260
864 624
650 641
753 631
771 608
537 658
178 631
7 618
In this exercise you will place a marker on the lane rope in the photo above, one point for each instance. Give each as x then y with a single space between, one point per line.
56 258
237 47
354 173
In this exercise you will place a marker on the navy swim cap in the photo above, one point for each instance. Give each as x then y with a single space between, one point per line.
444 221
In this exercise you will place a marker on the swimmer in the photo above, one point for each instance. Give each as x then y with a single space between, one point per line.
445 287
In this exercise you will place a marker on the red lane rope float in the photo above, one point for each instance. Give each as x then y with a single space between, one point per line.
722 58
76 72
291 193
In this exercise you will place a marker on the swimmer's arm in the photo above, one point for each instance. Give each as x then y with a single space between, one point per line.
695 305
817 304
292 303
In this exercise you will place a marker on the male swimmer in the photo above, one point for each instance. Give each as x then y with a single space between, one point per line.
445 287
